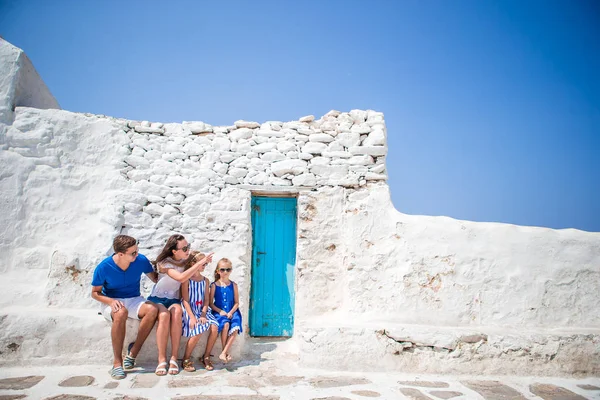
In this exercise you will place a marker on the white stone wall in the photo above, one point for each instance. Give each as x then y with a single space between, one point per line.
429 294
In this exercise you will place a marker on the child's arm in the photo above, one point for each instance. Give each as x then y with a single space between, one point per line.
185 296
213 289
236 299
186 275
203 319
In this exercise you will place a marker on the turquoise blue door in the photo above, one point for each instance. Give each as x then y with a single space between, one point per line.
273 265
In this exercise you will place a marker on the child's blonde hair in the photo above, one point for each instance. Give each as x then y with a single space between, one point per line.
224 261
194 257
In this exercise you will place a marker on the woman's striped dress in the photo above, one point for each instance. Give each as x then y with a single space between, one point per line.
196 292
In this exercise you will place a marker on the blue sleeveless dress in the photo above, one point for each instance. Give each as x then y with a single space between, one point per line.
224 299
196 292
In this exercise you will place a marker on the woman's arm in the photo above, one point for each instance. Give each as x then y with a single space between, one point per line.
186 275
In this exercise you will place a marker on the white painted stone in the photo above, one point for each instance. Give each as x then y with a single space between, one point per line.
136 161
371 176
147 129
305 131
269 133
331 172
375 138
295 125
258 179
335 146
300 138
359 116
348 139
375 151
244 147
314 148
295 167
337 154
174 198
221 143
279 182
193 149
360 160
378 168
306 179
286 146
237 172
264 147
360 128
292 155
138 152
227 157
305 156
176 180
246 124
320 161
272 155
241 133
196 127
139 174
320 138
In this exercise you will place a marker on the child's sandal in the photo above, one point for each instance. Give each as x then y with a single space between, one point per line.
188 365
207 363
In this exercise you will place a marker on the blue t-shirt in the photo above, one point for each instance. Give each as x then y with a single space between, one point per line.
119 284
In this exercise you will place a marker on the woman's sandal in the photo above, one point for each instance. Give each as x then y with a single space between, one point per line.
173 367
161 369
188 365
207 363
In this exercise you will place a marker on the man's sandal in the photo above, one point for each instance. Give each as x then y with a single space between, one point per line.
188 365
117 373
129 361
207 363
173 367
161 369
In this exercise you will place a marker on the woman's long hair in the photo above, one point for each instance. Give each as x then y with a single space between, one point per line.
167 251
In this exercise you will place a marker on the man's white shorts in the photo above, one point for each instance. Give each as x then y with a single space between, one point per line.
132 304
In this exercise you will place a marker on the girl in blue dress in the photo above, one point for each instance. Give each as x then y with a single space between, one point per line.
224 302
196 318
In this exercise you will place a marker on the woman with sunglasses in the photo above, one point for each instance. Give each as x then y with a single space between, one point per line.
224 303
170 265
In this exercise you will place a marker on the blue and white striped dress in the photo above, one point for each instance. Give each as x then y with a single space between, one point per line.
196 293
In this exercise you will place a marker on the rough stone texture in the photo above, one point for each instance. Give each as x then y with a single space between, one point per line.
129 398
70 397
414 394
366 393
331 398
145 381
282 380
187 381
493 390
12 396
444 394
326 382
588 387
552 392
226 397
20 383
77 381
425 384
111 385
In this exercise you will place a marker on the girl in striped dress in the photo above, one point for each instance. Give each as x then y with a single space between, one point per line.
196 319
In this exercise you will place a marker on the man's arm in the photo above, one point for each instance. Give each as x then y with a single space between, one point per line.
114 304
153 276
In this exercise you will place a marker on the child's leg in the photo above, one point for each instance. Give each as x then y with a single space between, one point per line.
222 356
212 339
230 341
189 347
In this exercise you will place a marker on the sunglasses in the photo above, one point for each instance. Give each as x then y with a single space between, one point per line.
133 253
185 248
224 269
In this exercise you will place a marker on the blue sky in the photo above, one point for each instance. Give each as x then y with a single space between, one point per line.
492 107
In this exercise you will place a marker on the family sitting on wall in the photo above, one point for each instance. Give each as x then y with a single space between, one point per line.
183 302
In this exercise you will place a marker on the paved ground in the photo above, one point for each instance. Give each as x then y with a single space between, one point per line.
278 379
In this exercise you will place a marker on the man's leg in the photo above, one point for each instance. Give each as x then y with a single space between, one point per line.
147 314
117 334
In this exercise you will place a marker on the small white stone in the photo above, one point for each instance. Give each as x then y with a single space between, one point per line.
176 180
286 146
305 156
220 168
258 179
173 198
360 128
272 156
335 146
337 154
264 147
320 138
295 167
237 172
348 139
308 118
306 179
361 160
138 152
375 138
333 113
292 154
242 133
300 138
359 116
371 176
227 157
279 182
320 161
314 148
305 131
221 143
378 168
246 124
136 161
269 133
193 149
375 151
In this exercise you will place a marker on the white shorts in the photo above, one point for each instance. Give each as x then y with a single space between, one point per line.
132 304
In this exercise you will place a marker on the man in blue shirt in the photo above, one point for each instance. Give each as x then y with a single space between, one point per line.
116 284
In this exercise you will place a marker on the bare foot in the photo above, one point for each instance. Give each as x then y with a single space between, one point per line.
223 357
228 357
